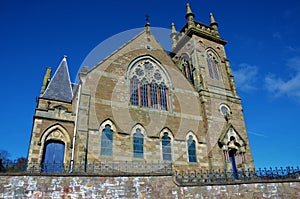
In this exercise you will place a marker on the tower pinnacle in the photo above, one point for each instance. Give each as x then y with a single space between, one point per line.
189 15
173 35
189 11
214 24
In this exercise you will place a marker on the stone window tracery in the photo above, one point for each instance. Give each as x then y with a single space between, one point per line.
149 85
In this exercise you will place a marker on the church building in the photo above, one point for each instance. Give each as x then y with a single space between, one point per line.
144 105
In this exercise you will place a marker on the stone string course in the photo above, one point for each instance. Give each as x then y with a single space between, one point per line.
51 187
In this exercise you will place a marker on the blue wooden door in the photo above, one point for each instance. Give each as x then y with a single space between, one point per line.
54 157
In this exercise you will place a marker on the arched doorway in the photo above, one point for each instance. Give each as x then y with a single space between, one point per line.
53 158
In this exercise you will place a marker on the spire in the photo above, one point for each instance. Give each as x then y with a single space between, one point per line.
59 87
173 35
214 25
189 16
147 25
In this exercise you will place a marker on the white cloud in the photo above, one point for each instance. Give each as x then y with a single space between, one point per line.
245 77
289 87
257 134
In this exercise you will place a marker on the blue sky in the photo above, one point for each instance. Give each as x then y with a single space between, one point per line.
263 49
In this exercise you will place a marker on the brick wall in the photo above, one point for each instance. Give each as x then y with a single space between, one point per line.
135 187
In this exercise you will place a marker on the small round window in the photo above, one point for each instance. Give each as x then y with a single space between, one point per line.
225 110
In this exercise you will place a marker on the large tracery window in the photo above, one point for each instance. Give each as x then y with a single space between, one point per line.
213 66
149 85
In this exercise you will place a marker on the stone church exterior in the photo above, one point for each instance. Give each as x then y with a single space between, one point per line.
142 104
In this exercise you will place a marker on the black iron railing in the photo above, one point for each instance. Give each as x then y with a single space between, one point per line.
139 168
105 168
226 177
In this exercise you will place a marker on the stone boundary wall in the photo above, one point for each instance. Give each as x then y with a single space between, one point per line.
156 187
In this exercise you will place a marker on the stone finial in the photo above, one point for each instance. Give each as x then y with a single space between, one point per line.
147 25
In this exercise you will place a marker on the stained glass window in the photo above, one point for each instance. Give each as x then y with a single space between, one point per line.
148 85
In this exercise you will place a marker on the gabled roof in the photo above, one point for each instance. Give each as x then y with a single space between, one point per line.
59 87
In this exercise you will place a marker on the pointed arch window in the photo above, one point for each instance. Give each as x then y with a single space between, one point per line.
166 147
149 85
192 149
138 144
213 66
106 141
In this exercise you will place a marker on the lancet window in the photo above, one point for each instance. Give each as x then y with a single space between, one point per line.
186 68
107 141
213 65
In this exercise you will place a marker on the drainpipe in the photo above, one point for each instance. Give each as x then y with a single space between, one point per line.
75 131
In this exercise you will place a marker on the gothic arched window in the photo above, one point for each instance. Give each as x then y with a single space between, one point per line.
213 66
149 85
166 147
192 149
138 144
106 141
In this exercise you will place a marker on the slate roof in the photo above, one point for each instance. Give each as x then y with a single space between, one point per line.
59 87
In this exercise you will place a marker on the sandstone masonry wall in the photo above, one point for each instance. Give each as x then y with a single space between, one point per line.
156 187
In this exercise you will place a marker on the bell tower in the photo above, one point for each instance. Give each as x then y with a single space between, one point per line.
199 52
